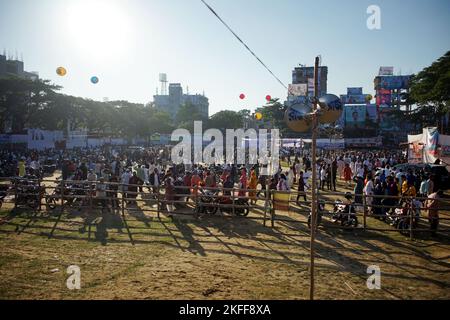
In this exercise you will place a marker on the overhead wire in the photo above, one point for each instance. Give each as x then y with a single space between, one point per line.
244 44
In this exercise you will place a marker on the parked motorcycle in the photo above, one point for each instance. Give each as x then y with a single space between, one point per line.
28 193
402 219
211 203
345 214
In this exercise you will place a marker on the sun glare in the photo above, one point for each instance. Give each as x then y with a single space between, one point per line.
99 29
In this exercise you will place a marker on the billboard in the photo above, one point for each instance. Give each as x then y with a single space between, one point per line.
392 82
354 91
355 116
384 97
353 99
330 144
364 142
311 85
388 122
372 113
297 90
386 71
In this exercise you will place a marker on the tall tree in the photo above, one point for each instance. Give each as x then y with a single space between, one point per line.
430 90
226 119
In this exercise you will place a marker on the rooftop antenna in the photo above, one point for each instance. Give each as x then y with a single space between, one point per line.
21 56
156 90
187 90
17 56
4 52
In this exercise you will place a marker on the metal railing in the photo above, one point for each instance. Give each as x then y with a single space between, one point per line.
93 196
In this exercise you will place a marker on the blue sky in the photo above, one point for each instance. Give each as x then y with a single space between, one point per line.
127 43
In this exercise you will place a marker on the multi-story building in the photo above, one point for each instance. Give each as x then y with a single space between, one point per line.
172 102
305 75
9 67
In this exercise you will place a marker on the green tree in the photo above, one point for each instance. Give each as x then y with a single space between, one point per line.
274 113
186 116
430 90
227 119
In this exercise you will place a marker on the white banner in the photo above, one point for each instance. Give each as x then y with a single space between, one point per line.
386 71
298 90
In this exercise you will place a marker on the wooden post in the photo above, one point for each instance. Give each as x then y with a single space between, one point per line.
90 198
232 197
314 177
15 192
411 221
267 204
365 211
158 206
63 186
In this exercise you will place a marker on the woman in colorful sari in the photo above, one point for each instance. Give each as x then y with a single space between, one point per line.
243 184
252 185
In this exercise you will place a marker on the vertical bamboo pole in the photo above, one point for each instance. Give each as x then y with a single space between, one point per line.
314 177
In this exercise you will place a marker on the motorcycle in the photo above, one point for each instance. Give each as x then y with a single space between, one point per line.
345 214
210 203
28 193
402 219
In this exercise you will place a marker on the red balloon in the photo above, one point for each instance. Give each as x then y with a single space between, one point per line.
242 96
268 98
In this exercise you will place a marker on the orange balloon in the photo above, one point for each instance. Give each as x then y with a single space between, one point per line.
61 71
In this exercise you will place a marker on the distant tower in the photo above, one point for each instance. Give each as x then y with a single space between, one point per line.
163 80
187 90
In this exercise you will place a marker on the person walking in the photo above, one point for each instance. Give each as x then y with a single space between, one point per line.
432 204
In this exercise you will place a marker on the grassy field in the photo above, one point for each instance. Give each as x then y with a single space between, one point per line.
219 257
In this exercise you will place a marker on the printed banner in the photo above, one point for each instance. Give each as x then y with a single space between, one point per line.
355 116
386 71
298 90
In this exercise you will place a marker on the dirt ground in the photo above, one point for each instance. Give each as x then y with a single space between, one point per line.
220 257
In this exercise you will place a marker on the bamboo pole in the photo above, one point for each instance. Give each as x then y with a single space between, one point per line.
314 177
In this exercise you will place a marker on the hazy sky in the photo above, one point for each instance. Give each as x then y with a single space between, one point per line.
127 43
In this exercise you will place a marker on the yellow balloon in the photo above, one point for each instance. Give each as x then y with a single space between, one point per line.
258 116
61 71
369 97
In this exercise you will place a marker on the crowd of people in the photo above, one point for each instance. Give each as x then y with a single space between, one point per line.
372 175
